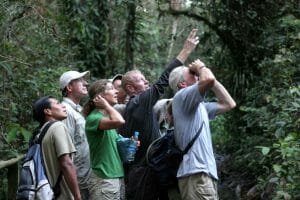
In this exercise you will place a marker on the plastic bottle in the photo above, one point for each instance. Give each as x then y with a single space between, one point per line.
136 136
133 147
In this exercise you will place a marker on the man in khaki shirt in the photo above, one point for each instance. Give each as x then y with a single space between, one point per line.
57 147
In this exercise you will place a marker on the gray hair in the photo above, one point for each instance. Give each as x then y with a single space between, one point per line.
176 76
160 109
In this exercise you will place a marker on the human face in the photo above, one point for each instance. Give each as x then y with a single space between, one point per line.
78 87
117 84
56 111
110 94
140 84
121 92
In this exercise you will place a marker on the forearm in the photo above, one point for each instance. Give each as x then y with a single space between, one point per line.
115 115
184 54
69 172
206 79
189 45
225 101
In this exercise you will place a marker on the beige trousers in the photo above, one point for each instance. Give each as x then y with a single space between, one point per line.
198 186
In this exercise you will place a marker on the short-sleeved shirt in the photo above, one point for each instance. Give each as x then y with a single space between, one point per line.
56 143
105 158
75 123
190 111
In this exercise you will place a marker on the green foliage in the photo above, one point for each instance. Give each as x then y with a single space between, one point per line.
271 115
253 48
221 137
33 55
87 22
287 171
15 130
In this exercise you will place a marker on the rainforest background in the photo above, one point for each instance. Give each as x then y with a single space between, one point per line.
253 48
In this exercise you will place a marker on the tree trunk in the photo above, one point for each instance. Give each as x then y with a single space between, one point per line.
130 34
174 31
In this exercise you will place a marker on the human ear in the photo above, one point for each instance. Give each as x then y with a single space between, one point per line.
47 111
130 88
69 87
182 84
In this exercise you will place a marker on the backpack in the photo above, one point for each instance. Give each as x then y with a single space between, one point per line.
164 157
33 181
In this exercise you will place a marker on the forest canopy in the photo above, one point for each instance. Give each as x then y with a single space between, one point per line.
253 48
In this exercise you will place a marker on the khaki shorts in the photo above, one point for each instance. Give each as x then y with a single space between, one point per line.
107 189
198 186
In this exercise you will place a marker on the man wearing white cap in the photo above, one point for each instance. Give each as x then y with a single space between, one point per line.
74 87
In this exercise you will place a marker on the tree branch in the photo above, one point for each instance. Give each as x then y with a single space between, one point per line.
12 59
10 162
225 36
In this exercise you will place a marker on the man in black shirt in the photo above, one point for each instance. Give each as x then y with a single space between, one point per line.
139 116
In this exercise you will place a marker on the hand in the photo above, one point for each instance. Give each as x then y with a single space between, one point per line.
100 102
189 45
191 41
138 143
196 66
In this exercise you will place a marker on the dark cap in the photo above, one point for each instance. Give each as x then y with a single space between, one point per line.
38 108
117 77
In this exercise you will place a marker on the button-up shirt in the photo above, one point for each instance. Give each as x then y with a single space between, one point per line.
75 123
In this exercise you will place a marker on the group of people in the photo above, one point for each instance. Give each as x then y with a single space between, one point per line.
83 144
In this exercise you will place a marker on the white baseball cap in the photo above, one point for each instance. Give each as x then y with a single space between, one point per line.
68 76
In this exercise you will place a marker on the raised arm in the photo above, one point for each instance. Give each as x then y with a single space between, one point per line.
189 45
206 77
113 120
225 101
163 81
208 81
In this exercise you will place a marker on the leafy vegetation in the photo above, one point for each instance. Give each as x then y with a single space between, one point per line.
253 47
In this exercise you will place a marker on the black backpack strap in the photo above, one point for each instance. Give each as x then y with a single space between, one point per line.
56 188
187 148
44 131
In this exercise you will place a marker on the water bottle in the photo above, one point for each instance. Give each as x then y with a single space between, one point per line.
132 147
136 136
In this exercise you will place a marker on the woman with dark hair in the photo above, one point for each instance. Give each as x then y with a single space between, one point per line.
101 123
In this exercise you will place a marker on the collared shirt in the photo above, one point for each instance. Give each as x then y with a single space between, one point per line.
75 123
190 111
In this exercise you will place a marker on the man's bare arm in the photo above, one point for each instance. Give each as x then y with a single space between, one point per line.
206 77
225 101
189 45
69 172
208 81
